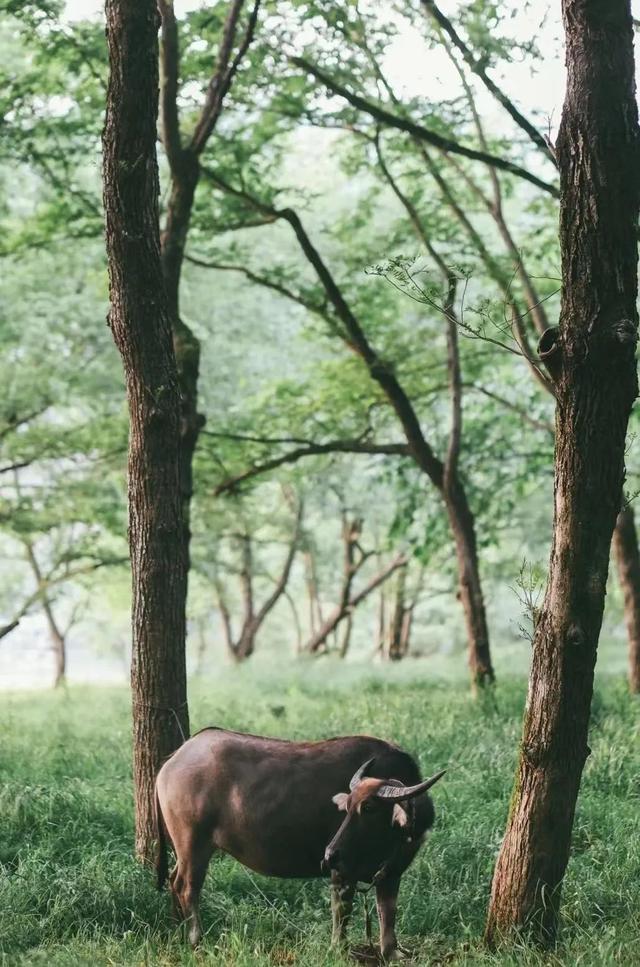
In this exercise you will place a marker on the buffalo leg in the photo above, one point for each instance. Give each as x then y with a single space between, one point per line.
174 886
387 903
192 870
342 894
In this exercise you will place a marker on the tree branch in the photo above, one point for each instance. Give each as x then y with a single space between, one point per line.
547 427
453 354
313 449
226 70
264 280
386 118
226 618
455 383
53 581
445 24
491 265
7 629
354 337
16 466
496 210
345 608
281 584
169 72
14 421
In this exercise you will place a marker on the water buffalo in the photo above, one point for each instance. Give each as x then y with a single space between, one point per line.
277 807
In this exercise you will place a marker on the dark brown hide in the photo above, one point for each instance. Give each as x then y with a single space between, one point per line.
268 803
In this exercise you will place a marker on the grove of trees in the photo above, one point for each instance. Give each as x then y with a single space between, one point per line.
371 342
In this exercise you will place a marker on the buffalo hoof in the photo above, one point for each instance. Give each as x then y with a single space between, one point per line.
366 954
397 953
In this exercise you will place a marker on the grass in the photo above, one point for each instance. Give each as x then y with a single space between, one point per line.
71 894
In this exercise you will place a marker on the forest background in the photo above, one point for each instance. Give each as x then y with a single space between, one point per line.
273 377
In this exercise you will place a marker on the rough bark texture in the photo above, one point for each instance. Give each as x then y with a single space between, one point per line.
627 555
594 367
185 173
185 343
140 322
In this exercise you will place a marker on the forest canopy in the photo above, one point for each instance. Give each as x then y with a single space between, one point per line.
278 383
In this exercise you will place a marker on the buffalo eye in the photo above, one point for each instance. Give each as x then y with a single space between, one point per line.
367 806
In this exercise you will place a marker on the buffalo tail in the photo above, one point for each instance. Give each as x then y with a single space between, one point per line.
162 864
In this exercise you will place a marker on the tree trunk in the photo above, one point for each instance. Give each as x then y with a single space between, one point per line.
382 625
58 646
405 633
627 554
394 650
591 358
186 345
184 165
316 618
140 321
346 636
470 589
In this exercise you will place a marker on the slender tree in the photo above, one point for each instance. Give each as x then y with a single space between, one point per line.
625 537
57 634
591 358
139 318
184 154
242 646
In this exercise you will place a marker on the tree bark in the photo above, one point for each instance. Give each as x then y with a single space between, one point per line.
470 594
140 321
185 343
627 555
185 173
591 358
184 164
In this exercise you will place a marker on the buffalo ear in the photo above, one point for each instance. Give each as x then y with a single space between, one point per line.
399 816
340 799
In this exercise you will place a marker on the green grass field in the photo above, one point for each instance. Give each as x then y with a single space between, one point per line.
70 892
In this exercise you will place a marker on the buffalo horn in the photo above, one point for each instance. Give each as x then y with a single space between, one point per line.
357 776
408 792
